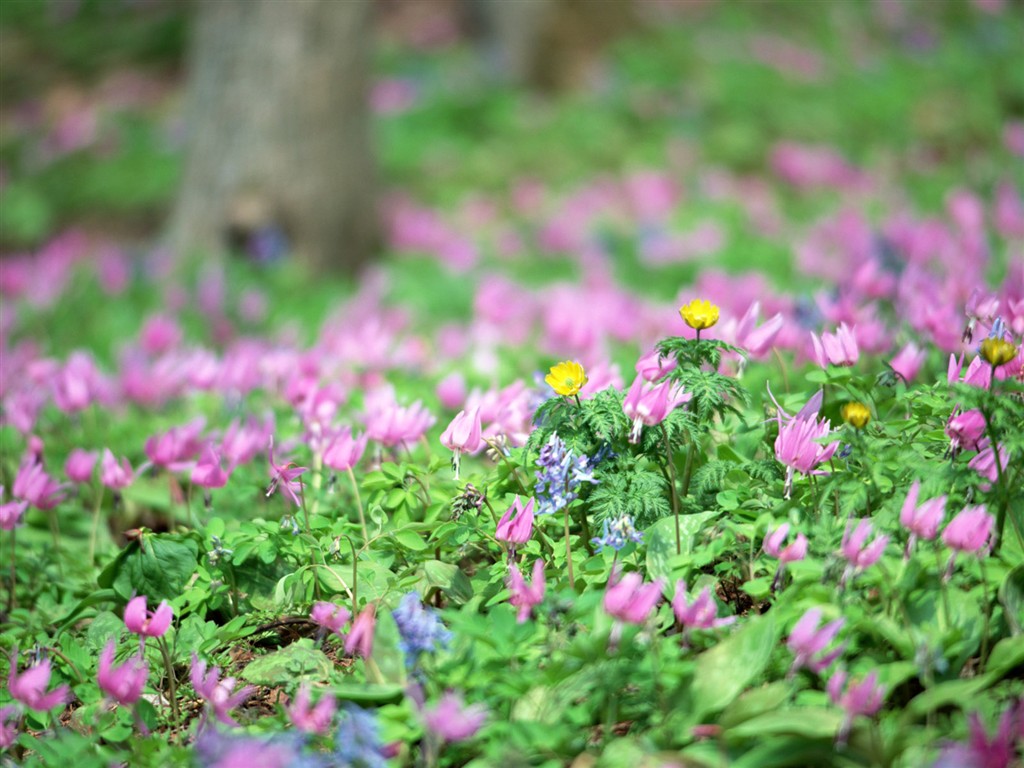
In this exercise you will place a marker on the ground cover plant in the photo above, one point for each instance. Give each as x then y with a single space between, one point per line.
685 429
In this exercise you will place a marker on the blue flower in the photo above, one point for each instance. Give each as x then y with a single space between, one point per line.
420 628
358 740
617 533
560 475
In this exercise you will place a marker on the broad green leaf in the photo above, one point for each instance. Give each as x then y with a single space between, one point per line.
1011 595
448 578
298 662
809 722
159 567
753 703
660 539
722 673
410 539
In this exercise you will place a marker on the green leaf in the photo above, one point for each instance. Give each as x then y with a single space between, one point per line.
661 541
808 722
449 579
369 693
721 674
753 703
157 566
410 539
1011 595
298 662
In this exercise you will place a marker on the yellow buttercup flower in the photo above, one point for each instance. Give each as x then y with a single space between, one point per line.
856 414
567 378
699 314
998 351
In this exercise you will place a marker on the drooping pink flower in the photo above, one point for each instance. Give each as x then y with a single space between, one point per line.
312 719
208 472
792 553
452 720
525 597
30 686
11 512
343 450
985 462
391 424
115 475
797 445
808 642
144 622
330 616
969 531
922 521
652 367
283 477
860 555
76 384
33 485
702 613
981 751
79 465
10 719
160 334
965 431
359 641
839 348
451 390
241 443
219 694
908 361
124 683
629 600
516 525
173 450
862 697
462 436
648 404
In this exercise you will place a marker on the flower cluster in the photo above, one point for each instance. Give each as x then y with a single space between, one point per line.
560 476
420 628
618 532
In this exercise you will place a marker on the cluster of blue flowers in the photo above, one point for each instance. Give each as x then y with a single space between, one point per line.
560 476
617 533
358 739
420 628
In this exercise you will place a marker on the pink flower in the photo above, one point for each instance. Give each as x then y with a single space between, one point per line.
360 640
526 596
701 613
174 449
79 465
11 512
796 551
517 529
922 521
123 684
344 451
452 720
30 686
985 463
330 616
451 390
648 404
858 554
839 348
33 485
797 443
283 477
219 694
391 424
160 334
807 642
651 367
9 722
241 443
969 531
863 697
984 752
145 623
965 430
115 475
630 600
208 473
908 361
316 719
462 435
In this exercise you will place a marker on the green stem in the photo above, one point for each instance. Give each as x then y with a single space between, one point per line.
172 683
988 615
568 552
359 505
95 525
672 482
55 532
355 574
1003 496
317 483
14 575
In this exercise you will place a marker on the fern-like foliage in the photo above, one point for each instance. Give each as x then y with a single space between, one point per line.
584 426
631 490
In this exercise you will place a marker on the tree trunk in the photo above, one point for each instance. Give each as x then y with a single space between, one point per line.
278 154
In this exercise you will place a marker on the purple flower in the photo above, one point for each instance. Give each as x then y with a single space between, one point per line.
560 476
797 445
330 616
33 485
114 475
360 640
908 361
838 348
10 719
526 596
123 684
517 529
795 551
647 405
965 431
219 694
968 532
615 534
312 719
702 613
144 622
807 642
174 449
282 477
452 720
30 686
922 521
11 512
344 451
862 697
420 628
208 472
628 599
980 751
985 463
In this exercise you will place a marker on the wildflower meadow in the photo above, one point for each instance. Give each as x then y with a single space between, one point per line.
681 423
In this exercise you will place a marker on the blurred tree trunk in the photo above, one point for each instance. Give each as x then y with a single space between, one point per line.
278 154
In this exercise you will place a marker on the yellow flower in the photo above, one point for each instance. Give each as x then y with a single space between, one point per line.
699 314
856 414
567 378
998 351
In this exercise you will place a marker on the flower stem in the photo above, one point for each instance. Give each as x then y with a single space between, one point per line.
95 525
172 683
1003 499
983 659
359 505
568 551
672 482
14 575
